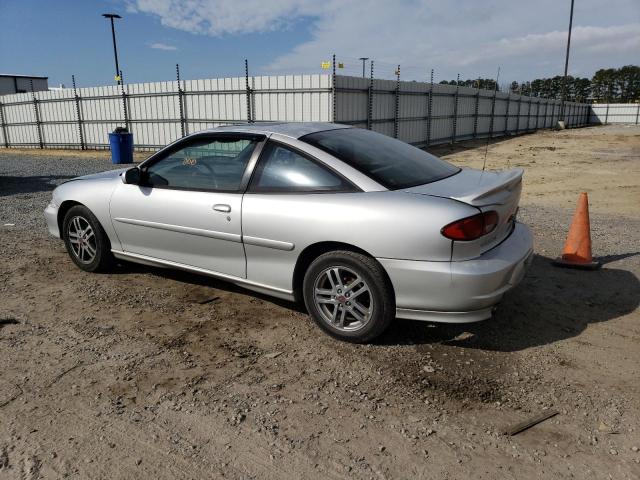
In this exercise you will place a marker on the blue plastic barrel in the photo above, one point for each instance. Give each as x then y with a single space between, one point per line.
121 146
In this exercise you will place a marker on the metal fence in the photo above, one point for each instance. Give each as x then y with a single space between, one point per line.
157 113
605 113
421 113
427 113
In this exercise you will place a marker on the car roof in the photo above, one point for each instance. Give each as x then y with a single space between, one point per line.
290 129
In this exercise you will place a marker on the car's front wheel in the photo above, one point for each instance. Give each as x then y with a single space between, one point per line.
86 242
348 295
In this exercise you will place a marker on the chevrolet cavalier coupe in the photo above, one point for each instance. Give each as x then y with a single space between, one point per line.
361 227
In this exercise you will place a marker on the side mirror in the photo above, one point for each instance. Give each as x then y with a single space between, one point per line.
131 176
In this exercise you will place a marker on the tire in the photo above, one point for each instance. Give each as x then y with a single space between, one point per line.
344 281
91 251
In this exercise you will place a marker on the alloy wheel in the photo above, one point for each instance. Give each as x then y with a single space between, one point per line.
343 298
82 239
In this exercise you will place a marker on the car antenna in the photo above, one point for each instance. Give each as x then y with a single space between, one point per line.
493 106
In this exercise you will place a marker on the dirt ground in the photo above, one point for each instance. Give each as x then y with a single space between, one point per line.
150 373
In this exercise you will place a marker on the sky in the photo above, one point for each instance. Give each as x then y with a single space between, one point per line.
211 38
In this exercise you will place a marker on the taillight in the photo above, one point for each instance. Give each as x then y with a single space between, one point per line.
471 228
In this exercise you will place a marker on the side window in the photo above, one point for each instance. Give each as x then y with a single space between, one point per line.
281 169
205 164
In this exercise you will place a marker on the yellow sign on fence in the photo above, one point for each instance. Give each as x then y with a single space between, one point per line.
327 65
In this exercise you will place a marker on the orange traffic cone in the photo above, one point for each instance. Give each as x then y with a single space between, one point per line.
577 249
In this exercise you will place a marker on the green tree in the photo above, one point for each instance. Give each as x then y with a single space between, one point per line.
627 83
581 89
482 83
602 85
606 85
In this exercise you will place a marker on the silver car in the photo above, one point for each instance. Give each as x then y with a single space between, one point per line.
362 227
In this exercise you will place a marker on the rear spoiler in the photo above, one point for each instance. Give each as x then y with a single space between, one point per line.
501 182
475 187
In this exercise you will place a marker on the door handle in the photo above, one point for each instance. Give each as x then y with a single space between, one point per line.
221 207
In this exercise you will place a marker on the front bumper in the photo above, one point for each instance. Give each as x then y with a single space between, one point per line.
51 217
459 292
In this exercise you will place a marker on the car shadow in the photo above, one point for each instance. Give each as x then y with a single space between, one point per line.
614 258
203 281
10 185
550 304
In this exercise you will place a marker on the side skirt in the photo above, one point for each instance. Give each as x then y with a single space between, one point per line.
243 282
445 317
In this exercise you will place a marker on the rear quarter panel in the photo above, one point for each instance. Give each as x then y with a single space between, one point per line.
384 224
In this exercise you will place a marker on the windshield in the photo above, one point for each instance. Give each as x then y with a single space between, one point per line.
390 162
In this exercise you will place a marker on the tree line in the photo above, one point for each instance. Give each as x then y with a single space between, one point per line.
608 85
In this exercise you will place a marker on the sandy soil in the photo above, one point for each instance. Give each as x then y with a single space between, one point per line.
602 161
148 373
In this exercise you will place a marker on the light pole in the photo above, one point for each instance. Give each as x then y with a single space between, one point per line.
566 64
364 59
111 16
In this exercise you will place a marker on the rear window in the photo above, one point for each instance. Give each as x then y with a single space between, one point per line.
390 162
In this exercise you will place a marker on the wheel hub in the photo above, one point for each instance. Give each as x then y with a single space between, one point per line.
82 239
343 298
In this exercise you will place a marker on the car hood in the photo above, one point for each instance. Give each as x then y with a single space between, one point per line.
109 174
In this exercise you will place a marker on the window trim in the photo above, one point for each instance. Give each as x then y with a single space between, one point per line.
352 188
182 143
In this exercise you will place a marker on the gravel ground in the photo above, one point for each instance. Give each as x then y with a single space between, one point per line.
27 182
148 373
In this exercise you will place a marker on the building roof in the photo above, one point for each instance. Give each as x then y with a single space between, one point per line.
22 76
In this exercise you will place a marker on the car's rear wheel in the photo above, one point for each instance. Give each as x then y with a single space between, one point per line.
348 295
86 242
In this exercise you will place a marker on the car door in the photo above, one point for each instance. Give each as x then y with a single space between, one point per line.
286 207
187 207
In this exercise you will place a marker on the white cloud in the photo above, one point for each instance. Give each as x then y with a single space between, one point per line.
220 17
465 36
593 39
163 46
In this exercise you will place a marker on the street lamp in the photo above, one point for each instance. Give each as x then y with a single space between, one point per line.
364 59
111 16
566 64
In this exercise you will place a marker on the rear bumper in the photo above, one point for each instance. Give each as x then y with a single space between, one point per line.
51 217
459 292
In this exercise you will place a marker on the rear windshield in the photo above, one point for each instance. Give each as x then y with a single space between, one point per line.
390 162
